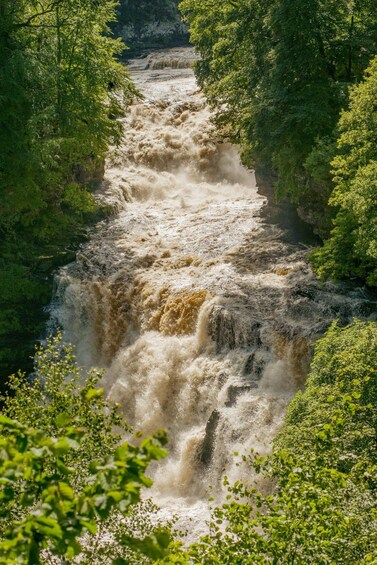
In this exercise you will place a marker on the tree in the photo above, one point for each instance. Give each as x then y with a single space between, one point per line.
299 105
68 410
150 23
57 117
70 474
34 471
277 74
351 249
233 43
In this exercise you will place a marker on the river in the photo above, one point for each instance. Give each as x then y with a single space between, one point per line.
201 310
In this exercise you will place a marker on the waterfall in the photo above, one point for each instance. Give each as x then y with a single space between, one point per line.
201 312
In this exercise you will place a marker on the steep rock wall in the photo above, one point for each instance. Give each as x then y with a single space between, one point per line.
150 24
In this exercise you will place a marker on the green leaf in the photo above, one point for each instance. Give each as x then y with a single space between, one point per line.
66 491
73 549
94 393
63 420
49 527
10 424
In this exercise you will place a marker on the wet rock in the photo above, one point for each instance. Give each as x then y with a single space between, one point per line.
230 330
254 338
254 365
209 439
221 329
235 391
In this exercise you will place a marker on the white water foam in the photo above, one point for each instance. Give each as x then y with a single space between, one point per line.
202 315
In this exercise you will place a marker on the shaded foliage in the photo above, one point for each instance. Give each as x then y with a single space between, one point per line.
351 250
278 74
56 121
147 24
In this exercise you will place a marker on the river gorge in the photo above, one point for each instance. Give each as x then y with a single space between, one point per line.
201 309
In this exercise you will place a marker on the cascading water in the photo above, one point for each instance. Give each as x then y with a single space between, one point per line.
200 310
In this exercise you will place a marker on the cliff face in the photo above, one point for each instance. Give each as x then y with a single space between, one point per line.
144 24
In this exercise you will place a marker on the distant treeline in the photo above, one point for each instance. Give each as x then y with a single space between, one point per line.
59 96
294 82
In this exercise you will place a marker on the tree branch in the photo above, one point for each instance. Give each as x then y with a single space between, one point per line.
33 17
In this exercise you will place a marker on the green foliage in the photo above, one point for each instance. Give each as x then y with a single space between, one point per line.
352 247
232 41
322 503
140 14
277 74
299 102
58 391
55 513
337 412
70 474
120 539
60 90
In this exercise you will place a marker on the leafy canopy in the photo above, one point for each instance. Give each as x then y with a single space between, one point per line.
70 474
61 89
351 249
277 74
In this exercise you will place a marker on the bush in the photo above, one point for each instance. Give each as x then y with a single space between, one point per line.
69 474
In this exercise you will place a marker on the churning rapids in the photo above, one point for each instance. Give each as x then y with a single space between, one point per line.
201 311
